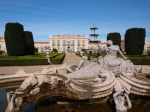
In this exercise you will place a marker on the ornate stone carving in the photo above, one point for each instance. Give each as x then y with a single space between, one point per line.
119 99
99 79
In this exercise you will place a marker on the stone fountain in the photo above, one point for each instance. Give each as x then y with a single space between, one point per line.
108 75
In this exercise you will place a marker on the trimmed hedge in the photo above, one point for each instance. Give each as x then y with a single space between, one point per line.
142 61
94 54
139 59
37 59
23 62
14 38
58 59
53 55
134 41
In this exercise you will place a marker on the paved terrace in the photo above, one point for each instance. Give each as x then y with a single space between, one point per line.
70 58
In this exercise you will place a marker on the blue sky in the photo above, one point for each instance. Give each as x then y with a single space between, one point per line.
45 17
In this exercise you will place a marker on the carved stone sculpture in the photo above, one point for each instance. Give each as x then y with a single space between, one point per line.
119 99
97 80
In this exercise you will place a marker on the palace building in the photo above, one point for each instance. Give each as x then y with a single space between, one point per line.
42 46
2 44
68 42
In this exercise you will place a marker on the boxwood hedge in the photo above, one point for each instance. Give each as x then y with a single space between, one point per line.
23 62
58 59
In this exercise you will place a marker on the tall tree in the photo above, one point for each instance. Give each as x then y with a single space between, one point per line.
14 38
115 37
29 43
134 41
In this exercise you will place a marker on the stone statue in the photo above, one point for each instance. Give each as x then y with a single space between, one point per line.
14 102
81 64
15 99
32 80
115 64
119 99
99 79
64 69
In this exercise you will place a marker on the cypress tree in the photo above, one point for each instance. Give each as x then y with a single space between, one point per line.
115 38
29 43
134 41
14 38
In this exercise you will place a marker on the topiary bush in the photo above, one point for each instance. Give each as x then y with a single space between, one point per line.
14 38
29 43
115 38
134 41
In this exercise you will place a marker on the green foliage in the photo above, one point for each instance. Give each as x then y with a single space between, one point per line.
37 59
115 37
1 52
23 62
14 38
54 50
29 43
78 53
53 55
58 59
139 59
94 54
35 50
134 41
84 50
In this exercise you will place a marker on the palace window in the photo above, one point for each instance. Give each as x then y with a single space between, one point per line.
78 42
64 49
53 42
64 42
73 49
83 41
58 41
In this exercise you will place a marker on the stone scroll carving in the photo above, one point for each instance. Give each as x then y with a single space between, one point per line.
108 75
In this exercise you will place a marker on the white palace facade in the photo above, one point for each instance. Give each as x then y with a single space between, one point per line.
2 44
68 42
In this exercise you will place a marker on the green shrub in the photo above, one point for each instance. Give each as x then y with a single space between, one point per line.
14 38
84 50
58 59
53 55
37 59
35 50
94 54
1 52
139 59
54 50
78 53
134 41
23 62
29 43
115 37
